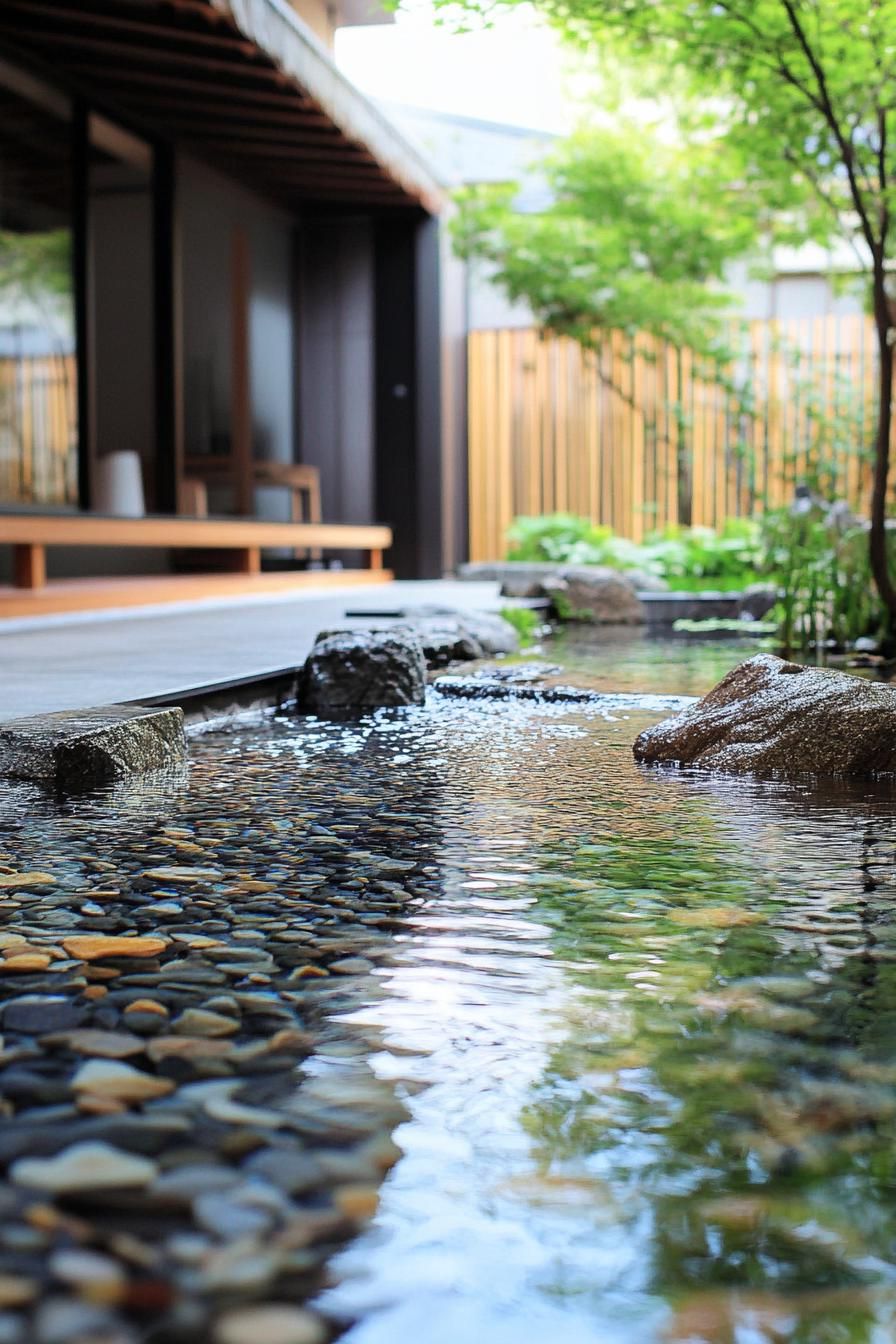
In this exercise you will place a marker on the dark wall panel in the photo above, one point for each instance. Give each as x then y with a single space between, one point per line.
334 387
408 418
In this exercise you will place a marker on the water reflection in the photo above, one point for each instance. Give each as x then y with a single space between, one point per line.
656 1012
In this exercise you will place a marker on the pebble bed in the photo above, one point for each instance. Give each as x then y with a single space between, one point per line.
171 953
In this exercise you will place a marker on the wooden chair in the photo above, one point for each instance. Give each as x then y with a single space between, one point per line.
300 479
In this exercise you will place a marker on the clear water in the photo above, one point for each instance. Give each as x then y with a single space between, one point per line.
651 1020
643 1023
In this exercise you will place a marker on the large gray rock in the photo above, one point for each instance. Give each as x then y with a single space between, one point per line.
518 578
447 639
356 670
449 636
771 716
525 578
83 748
492 633
589 593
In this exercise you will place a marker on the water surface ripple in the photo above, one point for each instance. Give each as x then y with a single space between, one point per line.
642 1023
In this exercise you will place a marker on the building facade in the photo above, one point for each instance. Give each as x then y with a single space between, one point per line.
211 244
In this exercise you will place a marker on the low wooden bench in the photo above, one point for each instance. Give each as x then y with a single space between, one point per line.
31 534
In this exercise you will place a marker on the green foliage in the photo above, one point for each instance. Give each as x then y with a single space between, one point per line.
797 93
804 134
35 266
818 558
724 625
636 239
689 558
525 622
560 537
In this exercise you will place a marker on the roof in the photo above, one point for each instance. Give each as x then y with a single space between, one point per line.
243 84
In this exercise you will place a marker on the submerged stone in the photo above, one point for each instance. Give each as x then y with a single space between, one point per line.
768 715
110 1078
84 1166
358 670
87 747
92 947
275 1323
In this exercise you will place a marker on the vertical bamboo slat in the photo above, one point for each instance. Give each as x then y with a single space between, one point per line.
554 428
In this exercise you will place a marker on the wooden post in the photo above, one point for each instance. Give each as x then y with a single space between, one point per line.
376 559
168 336
240 373
248 561
29 566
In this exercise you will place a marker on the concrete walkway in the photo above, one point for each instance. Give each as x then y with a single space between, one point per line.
74 662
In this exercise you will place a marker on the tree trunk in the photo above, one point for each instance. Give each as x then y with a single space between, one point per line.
877 538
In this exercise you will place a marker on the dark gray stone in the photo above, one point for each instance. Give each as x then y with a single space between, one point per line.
357 670
758 600
448 636
518 578
83 748
493 633
38 1015
771 716
525 578
667 608
446 639
293 1171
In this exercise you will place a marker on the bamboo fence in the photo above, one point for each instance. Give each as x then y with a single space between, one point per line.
38 430
637 436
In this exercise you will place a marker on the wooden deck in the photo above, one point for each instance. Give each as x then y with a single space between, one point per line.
105 594
231 548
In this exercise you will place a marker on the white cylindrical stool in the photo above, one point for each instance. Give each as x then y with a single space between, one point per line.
119 485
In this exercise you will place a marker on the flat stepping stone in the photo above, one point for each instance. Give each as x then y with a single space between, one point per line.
84 748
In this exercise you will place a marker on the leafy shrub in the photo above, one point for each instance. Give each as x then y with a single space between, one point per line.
687 557
559 538
818 557
525 622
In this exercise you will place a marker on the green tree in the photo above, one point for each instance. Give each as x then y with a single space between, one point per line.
636 238
801 95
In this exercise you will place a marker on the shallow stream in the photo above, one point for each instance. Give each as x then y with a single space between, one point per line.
632 1033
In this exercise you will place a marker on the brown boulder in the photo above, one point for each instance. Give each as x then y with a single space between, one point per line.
592 593
771 716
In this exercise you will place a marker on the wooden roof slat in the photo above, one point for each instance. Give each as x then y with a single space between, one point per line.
175 107
159 56
354 161
78 17
203 91
240 85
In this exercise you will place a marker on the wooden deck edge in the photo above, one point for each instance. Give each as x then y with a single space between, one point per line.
103 594
84 529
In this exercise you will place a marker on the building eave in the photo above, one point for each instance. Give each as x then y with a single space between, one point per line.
278 31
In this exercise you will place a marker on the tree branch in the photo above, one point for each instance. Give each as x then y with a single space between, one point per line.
846 147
